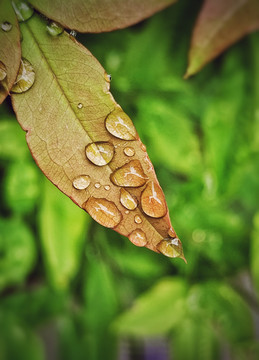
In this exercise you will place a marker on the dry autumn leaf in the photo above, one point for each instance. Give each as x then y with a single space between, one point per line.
98 15
220 24
84 142
10 50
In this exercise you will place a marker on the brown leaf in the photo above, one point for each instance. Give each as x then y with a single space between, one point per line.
219 25
99 15
10 50
66 114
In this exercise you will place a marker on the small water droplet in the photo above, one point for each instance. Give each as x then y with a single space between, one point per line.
107 187
127 200
171 248
107 77
126 212
138 237
129 175
137 219
143 147
22 9
100 153
6 26
103 211
97 185
120 125
81 182
25 77
79 105
171 233
73 33
153 201
129 151
3 71
54 29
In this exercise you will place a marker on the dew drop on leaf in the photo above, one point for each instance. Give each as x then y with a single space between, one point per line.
129 151
3 72
171 248
73 33
103 211
120 125
107 187
54 29
129 175
81 182
138 237
25 77
22 9
79 105
97 185
100 153
171 233
153 201
137 219
107 77
127 200
6 26
143 147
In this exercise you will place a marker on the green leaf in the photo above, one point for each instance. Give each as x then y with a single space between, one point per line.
99 15
220 24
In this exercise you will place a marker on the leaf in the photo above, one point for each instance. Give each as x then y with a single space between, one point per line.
254 264
10 50
99 15
80 138
220 24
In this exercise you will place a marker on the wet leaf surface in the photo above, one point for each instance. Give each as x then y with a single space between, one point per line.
98 15
10 51
65 115
220 24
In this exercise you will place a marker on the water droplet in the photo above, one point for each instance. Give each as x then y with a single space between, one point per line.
107 77
97 185
126 212
129 151
137 219
73 33
127 200
54 29
6 26
3 72
79 105
153 200
100 153
171 248
81 182
138 237
22 9
143 147
171 233
120 125
129 175
107 187
25 77
103 211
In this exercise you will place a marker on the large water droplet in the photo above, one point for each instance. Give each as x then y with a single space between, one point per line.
129 175
25 77
103 211
54 29
23 10
129 151
81 182
137 219
153 200
3 71
6 26
100 153
127 200
138 237
120 125
171 248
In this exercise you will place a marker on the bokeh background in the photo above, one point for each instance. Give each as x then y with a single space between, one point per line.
70 289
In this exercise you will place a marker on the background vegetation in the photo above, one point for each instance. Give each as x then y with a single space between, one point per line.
71 289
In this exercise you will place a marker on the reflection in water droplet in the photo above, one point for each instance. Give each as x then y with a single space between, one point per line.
171 248
107 187
100 153
137 219
97 185
79 105
73 33
22 9
107 77
129 175
103 211
129 151
6 26
153 201
54 29
81 182
127 200
138 237
25 77
120 125
171 233
3 72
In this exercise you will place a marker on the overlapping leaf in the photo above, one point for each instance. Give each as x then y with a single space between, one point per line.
84 142
98 15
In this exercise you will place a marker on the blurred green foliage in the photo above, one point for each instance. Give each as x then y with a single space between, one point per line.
71 289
